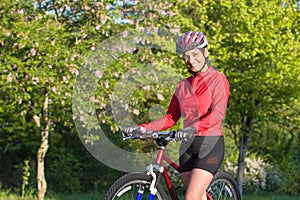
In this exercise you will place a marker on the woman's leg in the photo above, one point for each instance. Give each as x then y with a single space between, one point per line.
185 177
196 183
209 153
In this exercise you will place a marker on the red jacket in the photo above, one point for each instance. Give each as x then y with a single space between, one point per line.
201 101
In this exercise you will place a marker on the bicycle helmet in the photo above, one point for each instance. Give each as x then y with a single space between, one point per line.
190 40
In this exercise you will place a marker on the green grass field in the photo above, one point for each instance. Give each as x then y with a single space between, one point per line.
12 196
270 197
6 195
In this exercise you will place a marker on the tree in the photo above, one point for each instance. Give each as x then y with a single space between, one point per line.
39 68
44 43
258 42
246 41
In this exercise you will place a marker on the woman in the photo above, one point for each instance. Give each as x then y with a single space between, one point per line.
201 100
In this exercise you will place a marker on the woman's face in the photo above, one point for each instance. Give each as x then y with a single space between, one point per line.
194 59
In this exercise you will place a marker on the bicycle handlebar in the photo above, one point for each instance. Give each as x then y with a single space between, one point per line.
154 135
167 135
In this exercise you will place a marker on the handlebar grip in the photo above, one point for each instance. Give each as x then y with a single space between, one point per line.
184 133
189 130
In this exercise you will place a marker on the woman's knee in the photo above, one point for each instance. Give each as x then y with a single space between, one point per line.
193 196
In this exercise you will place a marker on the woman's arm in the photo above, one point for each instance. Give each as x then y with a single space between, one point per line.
167 121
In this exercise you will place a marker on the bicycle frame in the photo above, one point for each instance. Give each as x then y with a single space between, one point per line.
222 185
159 160
160 167
161 156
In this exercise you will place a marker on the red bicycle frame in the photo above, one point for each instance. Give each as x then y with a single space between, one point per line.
160 158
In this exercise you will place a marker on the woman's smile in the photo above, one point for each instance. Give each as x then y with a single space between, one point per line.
195 60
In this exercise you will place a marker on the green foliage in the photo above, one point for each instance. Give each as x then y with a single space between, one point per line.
256 44
44 44
260 57
278 144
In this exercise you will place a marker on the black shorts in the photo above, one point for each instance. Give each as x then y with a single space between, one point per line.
202 152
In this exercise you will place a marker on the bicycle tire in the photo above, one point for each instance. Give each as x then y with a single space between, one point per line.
223 186
127 187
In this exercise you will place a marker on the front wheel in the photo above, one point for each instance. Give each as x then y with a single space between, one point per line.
222 187
127 187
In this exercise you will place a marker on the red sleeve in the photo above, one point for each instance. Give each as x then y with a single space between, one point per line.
167 121
220 96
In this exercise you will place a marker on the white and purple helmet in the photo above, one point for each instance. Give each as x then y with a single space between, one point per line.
190 40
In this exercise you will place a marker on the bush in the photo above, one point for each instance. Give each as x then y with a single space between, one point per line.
259 175
290 183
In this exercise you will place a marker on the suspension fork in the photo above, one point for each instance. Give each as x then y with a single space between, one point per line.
156 171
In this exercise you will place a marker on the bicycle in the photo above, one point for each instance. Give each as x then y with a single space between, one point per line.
147 185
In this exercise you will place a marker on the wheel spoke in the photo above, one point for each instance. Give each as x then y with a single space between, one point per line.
222 190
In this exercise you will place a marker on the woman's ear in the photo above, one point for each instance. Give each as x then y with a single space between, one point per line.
206 52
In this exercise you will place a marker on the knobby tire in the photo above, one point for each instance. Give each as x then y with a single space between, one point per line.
127 186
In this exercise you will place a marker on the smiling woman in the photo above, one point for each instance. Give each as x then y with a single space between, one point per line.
201 100
195 60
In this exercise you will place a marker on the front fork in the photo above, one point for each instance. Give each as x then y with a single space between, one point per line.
155 171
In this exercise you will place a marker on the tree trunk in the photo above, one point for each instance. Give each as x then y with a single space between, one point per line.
241 163
41 153
244 142
41 180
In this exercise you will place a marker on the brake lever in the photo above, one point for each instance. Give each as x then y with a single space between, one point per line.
127 138
141 137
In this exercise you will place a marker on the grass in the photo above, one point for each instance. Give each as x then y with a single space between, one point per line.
7 195
4 195
270 196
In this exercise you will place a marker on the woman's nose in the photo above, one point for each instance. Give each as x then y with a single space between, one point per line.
191 60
